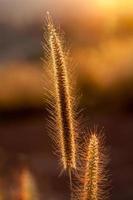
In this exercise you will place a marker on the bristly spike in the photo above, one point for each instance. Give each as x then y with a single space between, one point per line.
63 99
93 179
90 190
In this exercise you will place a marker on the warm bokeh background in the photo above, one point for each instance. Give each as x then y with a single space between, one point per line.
100 33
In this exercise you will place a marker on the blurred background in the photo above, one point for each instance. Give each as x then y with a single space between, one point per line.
100 34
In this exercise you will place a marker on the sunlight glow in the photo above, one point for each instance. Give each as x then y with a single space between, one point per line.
107 3
118 6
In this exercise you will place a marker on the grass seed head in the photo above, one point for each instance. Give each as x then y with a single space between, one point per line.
92 180
63 120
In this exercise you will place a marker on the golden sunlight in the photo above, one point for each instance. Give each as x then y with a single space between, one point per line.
117 6
107 3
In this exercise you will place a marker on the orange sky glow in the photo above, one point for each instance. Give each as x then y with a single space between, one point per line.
19 11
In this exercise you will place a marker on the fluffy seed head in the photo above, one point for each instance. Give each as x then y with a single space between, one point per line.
92 181
63 101
91 178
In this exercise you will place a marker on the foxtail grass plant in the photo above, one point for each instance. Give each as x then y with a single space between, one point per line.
93 171
28 188
65 134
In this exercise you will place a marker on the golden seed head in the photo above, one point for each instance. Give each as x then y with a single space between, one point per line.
64 114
